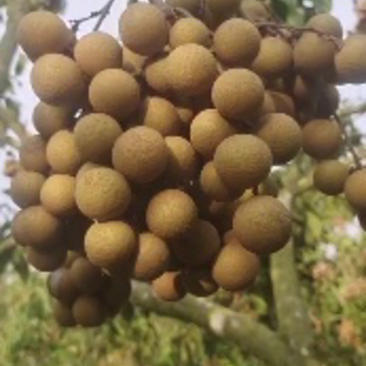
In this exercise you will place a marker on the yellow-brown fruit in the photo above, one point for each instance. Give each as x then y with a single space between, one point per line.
193 6
140 154
303 89
62 153
144 29
221 214
313 54
186 113
169 286
32 154
57 195
235 267
191 70
208 130
152 258
330 177
155 75
41 32
132 62
87 277
110 245
355 190
171 213
86 167
322 138
254 10
199 282
46 261
189 30
223 6
282 134
161 115
114 92
274 58
268 106
243 161
26 187
116 294
88 311
58 80
326 23
70 258
262 225
95 135
102 194
49 119
236 42
63 314
238 93
96 52
35 227
183 162
62 286
283 103
198 246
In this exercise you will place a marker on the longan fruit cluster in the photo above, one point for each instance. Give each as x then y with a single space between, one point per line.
154 155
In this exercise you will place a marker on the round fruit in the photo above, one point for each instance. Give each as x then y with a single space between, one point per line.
87 277
46 261
32 154
132 62
63 314
268 106
199 282
283 103
86 167
303 89
355 190
329 100
254 10
62 286
326 23
155 75
223 6
169 286
88 311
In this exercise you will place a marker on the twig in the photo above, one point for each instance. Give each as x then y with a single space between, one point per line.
104 13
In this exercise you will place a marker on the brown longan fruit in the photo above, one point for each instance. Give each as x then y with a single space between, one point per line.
88 311
169 286
95 135
191 70
208 130
144 29
87 277
326 23
86 167
114 92
58 80
62 286
237 93
26 187
110 245
63 314
40 32
199 282
102 194
268 106
96 52
140 154
32 154
171 213
223 6
303 89
329 100
132 62
236 42
189 30
193 6
282 134
254 10
186 113
242 161
330 176
283 103
46 261
262 224
355 190
322 138
152 258
62 153
155 75
71 258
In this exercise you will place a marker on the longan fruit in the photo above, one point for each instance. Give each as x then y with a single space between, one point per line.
110 245
169 286
62 153
86 167
186 113
223 6
63 314
322 138
355 190
329 100
303 89
236 42
283 103
95 135
140 154
144 29
88 311
71 258
26 187
96 52
114 92
171 213
193 6
46 261
326 23
102 194
62 286
268 106
208 130
262 225
237 93
87 277
132 62
254 10
199 282
32 154
155 75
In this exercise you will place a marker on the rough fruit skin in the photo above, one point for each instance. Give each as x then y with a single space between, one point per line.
236 42
26 187
355 190
143 29
132 62
282 134
222 6
46 261
114 92
191 70
169 286
95 135
322 138
88 311
262 225
58 80
86 276
140 154
155 75
326 23
242 161
102 194
32 154
171 213
110 244
237 93
199 282
62 286
283 103
235 267
63 314
105 50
